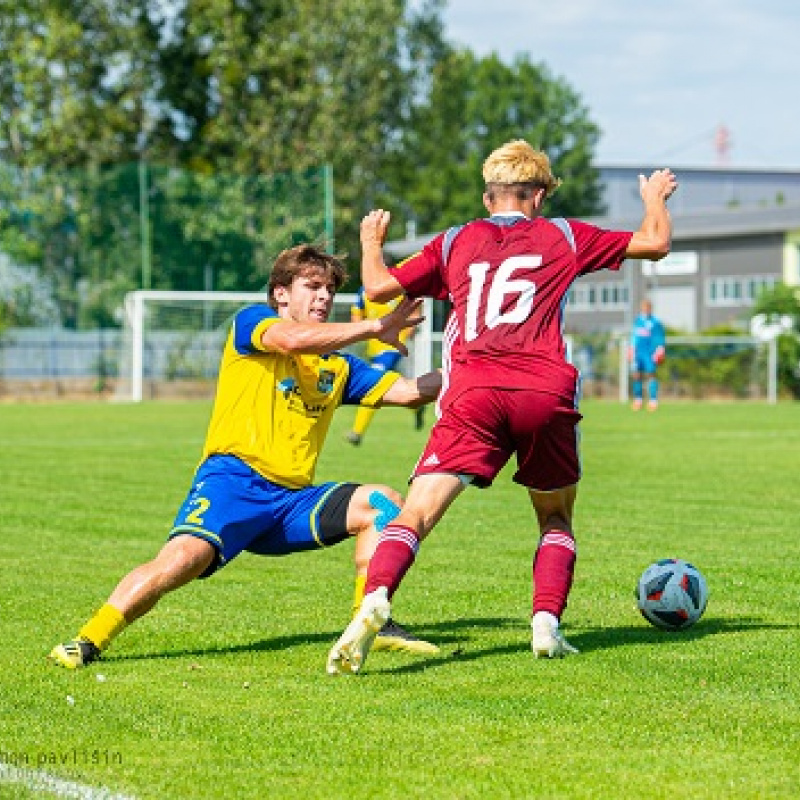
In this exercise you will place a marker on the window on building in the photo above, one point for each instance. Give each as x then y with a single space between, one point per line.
607 296
736 291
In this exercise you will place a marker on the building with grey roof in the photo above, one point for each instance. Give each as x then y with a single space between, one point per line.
735 232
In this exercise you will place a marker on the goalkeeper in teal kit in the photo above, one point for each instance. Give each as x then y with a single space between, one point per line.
645 353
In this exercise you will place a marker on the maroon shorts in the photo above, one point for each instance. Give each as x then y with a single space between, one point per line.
483 427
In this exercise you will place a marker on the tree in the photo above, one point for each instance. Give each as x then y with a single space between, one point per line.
247 92
294 84
246 88
471 106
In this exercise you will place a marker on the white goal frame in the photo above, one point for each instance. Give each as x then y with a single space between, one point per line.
772 359
137 303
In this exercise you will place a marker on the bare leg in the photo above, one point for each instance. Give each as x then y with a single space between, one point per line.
181 560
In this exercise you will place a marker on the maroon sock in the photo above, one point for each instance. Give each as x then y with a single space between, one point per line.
553 568
395 553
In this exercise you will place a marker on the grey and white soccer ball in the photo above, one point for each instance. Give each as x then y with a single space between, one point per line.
672 594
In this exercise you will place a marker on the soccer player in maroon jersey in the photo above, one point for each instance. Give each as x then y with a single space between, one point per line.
509 389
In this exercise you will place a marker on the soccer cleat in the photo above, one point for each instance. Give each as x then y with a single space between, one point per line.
636 404
652 405
349 654
396 638
353 438
75 654
547 642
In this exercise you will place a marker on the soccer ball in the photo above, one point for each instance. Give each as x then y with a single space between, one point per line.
672 594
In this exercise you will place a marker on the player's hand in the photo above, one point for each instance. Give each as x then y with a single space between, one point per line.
405 315
374 227
658 355
658 187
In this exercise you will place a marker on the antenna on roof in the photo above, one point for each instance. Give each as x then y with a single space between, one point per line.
722 145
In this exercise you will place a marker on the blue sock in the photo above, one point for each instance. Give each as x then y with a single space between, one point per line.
637 390
652 390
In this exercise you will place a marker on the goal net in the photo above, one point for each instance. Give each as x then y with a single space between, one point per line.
173 341
696 367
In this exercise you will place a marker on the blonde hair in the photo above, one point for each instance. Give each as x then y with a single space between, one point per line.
517 162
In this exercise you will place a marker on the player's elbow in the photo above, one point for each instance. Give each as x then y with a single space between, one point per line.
403 392
382 291
660 250
652 249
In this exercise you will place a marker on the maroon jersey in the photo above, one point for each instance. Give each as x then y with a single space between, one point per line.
507 278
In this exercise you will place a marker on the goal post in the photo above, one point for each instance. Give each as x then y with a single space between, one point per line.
703 367
173 340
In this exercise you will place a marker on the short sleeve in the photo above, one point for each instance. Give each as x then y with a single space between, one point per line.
365 384
597 248
248 326
420 275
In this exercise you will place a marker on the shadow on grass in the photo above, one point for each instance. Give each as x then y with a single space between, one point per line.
625 636
452 636
446 634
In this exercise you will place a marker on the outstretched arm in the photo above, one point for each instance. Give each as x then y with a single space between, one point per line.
654 237
414 392
379 283
288 336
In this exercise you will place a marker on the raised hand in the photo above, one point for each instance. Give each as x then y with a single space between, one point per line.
405 315
659 186
374 227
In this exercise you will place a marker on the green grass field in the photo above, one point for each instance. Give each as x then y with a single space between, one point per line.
222 691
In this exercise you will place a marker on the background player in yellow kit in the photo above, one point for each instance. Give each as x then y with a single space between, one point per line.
380 356
280 380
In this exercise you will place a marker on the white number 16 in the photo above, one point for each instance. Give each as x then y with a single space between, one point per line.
502 284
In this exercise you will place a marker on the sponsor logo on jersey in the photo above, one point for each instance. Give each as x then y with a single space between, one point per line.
287 386
325 381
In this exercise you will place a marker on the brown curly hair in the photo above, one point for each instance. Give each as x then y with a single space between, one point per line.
303 260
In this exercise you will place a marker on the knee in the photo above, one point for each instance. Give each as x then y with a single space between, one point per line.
370 507
182 558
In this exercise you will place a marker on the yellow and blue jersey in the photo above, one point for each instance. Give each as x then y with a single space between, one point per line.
364 308
273 410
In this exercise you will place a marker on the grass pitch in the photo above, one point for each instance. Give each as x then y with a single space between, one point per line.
222 692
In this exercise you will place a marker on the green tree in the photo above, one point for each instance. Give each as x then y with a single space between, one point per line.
472 105
293 84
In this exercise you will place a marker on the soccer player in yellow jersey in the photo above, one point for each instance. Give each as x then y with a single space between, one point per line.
280 380
381 356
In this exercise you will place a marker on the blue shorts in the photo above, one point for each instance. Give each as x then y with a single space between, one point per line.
387 360
234 508
643 362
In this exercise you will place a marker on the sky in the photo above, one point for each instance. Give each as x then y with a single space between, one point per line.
660 77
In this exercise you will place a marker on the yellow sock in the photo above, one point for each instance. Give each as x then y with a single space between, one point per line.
103 626
364 416
358 592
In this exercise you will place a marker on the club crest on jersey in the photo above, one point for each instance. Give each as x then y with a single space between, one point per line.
287 386
325 381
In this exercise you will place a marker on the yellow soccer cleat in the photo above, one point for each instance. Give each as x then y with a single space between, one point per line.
396 638
75 654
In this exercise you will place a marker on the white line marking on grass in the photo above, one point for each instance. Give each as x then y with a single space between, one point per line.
39 781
